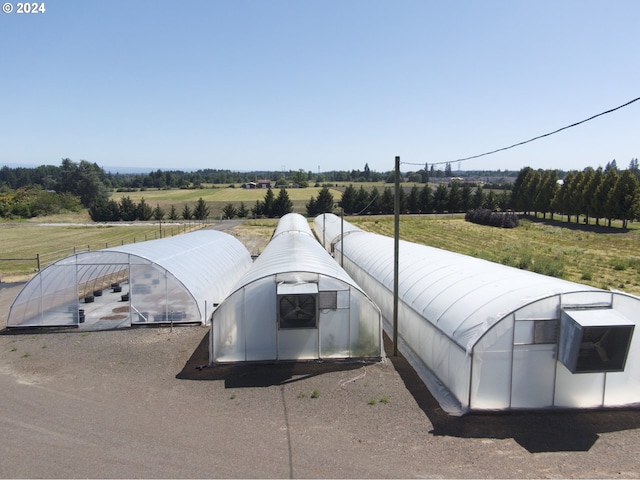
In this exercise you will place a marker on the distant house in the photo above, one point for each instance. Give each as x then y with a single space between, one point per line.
258 184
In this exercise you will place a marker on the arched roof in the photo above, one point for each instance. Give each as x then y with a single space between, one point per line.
462 296
297 252
206 263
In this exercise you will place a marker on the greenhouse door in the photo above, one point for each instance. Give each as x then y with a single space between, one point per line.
297 321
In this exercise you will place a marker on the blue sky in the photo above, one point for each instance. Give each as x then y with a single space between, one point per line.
326 85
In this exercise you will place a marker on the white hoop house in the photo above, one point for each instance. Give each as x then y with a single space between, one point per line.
484 336
295 303
177 279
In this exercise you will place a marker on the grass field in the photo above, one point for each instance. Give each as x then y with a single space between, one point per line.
53 242
605 260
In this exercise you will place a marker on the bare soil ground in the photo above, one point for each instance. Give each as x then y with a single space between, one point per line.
137 403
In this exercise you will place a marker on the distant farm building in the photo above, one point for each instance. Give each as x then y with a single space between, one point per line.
258 184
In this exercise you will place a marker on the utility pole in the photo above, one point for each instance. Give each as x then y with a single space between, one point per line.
396 255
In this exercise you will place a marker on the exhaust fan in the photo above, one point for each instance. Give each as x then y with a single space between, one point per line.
297 305
594 340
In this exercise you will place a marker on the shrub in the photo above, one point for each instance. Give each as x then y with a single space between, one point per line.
484 216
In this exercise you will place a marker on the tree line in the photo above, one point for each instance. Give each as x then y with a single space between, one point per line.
129 211
453 197
604 193
609 193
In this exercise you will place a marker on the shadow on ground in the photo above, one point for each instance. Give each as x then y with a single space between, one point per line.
583 227
250 375
541 431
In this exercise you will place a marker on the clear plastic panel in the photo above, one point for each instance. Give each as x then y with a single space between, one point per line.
259 316
365 328
491 375
227 331
49 299
583 390
543 308
300 344
334 334
533 376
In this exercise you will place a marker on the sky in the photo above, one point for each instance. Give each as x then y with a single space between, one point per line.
320 85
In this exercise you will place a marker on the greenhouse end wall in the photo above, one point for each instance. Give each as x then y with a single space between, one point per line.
172 280
295 303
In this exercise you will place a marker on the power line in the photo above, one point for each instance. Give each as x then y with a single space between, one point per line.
530 140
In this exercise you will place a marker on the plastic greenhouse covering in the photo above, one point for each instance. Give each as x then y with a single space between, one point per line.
295 303
177 279
484 336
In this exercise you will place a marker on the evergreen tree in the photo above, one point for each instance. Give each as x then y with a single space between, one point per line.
282 204
518 196
595 207
267 204
258 209
243 212
187 214
374 201
426 199
441 198
386 201
413 201
201 210
604 194
625 198
324 202
361 201
158 213
455 198
143 211
546 191
229 211
425 173
478 197
173 214
348 200
311 207
635 167
491 201
465 197
128 210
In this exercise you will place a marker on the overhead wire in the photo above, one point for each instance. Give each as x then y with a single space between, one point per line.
531 139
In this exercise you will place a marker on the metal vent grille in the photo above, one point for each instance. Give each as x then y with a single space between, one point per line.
328 300
545 331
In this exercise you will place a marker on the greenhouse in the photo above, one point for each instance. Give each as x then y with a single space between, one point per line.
171 280
295 303
484 336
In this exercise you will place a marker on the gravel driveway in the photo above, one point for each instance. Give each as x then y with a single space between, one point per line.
136 403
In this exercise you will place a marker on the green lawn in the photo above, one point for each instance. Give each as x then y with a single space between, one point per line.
54 242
